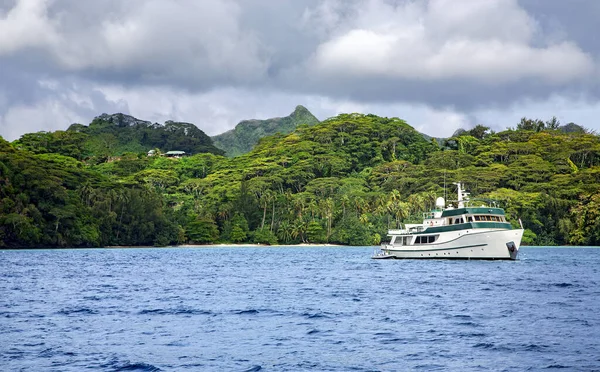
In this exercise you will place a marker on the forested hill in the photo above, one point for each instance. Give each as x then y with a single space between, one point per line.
345 180
247 133
113 135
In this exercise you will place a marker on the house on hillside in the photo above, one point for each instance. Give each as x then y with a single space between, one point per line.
175 154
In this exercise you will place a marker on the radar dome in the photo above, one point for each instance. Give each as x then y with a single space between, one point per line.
440 202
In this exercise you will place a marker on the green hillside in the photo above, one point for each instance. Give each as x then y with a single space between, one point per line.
346 180
247 133
113 135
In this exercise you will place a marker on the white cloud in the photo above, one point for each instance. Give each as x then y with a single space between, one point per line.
26 25
159 42
478 20
183 40
480 41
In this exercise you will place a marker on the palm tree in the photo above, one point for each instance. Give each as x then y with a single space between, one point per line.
285 231
299 229
345 200
124 198
326 207
264 200
398 209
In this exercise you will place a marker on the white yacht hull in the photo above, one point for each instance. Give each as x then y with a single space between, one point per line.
490 244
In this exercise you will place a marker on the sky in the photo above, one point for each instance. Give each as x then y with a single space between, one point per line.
440 65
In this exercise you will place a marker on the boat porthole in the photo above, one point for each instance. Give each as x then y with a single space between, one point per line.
456 251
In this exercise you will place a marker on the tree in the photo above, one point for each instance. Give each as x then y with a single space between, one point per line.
202 231
264 236
479 131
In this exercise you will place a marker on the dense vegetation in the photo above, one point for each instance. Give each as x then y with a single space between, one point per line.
110 136
247 133
346 180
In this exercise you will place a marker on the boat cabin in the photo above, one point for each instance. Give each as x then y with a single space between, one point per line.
448 220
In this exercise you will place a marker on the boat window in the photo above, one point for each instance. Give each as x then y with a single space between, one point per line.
449 221
424 239
477 218
470 219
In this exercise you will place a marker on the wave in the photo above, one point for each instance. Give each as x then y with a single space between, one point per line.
118 366
78 311
247 312
253 369
314 315
562 285
174 312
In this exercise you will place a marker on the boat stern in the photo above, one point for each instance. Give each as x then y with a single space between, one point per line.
382 253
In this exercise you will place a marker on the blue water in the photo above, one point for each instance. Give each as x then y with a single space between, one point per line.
296 308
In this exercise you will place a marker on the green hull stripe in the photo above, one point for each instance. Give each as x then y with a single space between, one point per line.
466 226
434 249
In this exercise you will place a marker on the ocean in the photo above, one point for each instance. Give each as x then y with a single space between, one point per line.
296 309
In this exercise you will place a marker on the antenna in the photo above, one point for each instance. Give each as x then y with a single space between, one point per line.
445 185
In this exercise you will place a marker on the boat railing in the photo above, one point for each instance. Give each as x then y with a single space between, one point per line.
416 229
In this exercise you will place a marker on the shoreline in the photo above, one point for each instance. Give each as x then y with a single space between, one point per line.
183 246
245 245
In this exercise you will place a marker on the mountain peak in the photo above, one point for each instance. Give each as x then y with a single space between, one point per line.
247 133
300 108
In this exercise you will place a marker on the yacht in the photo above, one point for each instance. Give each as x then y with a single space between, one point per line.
464 232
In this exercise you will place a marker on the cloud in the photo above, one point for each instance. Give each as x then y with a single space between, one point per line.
154 42
54 106
26 25
489 42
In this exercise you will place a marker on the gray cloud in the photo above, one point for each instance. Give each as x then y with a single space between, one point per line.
215 62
